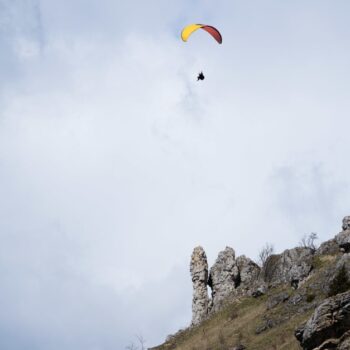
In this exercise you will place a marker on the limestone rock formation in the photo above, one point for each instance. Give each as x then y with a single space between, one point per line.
343 240
329 247
328 326
340 242
234 280
199 274
248 270
345 344
248 275
292 266
223 277
344 260
346 223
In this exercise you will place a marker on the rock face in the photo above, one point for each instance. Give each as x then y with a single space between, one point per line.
345 344
232 277
228 276
329 247
328 326
346 223
343 238
199 274
223 277
249 273
292 266
344 260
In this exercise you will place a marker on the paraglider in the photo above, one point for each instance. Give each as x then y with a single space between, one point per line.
191 28
200 76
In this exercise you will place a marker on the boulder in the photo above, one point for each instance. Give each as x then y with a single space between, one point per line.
224 277
346 223
335 281
343 240
238 347
344 261
328 345
260 290
268 323
345 343
327 325
199 274
296 299
274 300
292 266
248 272
329 247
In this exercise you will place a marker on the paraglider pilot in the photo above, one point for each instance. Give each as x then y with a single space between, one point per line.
200 76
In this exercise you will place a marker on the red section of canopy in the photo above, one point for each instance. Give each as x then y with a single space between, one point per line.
214 33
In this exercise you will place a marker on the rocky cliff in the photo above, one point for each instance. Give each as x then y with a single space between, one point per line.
299 299
231 278
329 325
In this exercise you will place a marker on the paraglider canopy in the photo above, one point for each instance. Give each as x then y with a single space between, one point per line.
191 28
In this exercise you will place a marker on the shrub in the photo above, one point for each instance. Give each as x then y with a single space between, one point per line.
310 298
233 314
222 341
265 252
308 241
340 283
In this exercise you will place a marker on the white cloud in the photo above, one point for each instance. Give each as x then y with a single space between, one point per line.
115 162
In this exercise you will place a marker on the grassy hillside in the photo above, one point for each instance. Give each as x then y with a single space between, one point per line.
264 323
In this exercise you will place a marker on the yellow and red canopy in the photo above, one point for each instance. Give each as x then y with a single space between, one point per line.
188 30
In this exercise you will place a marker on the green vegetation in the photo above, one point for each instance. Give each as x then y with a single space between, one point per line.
340 282
310 297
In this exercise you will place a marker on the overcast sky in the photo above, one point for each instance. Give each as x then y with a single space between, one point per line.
115 162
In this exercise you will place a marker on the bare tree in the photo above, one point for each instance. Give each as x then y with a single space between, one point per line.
265 252
141 341
131 346
308 241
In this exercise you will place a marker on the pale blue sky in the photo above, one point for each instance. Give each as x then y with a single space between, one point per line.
115 162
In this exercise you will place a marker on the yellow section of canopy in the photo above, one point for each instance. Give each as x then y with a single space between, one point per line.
188 30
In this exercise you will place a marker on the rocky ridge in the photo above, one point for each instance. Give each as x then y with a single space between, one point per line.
291 289
232 277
